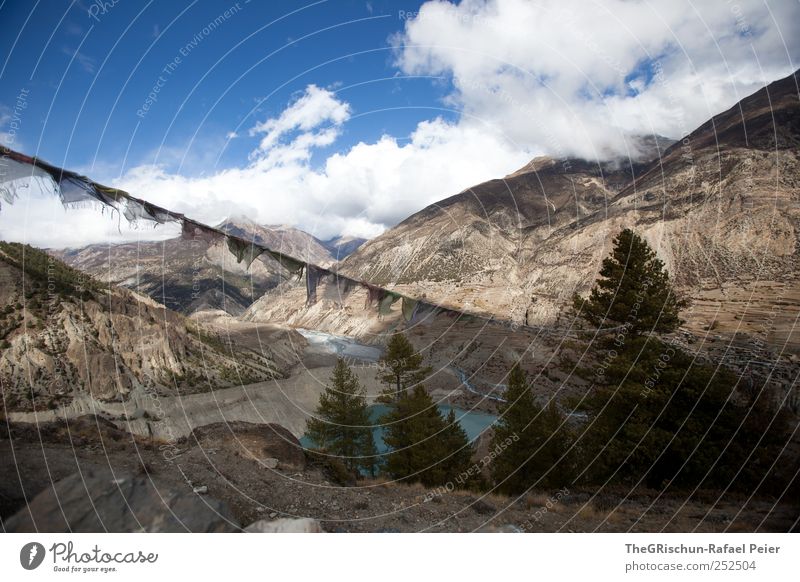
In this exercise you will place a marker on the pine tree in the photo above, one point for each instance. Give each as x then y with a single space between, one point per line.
657 414
424 445
662 417
532 444
455 445
402 367
342 426
634 290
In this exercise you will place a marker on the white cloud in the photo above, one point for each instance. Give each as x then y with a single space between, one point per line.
40 219
576 77
359 192
87 63
312 110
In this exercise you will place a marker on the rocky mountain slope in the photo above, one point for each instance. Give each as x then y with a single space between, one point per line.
340 247
722 208
65 336
228 463
190 276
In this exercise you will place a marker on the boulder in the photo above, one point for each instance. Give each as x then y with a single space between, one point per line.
285 525
99 501
500 528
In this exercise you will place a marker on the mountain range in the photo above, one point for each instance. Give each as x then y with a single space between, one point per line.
721 207
198 275
66 336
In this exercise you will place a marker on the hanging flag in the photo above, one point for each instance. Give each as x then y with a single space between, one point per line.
291 264
17 177
389 299
313 275
338 288
244 251
424 313
194 231
19 173
374 295
409 308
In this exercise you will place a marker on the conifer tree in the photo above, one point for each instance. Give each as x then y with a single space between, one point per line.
533 444
634 290
402 367
660 416
424 445
342 426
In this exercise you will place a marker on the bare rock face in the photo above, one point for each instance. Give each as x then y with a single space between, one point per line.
106 502
64 334
188 276
270 445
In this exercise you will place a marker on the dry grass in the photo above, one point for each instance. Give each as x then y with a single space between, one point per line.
591 513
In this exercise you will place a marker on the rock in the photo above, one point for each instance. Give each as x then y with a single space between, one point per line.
285 525
98 501
264 443
483 507
505 528
200 490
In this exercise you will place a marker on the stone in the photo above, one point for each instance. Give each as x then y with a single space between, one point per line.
99 501
200 490
270 463
504 528
483 507
285 525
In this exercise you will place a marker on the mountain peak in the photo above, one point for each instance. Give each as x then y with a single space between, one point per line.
537 164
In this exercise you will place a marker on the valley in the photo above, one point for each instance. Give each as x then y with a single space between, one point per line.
176 361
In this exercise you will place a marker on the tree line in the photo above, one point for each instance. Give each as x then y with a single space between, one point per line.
653 415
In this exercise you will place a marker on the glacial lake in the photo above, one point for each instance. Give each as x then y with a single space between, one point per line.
473 423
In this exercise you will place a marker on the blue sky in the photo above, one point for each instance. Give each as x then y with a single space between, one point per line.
346 116
90 69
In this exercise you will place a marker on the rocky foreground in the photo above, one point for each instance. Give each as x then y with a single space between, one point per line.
228 477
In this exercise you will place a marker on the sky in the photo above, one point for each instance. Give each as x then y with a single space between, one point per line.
343 117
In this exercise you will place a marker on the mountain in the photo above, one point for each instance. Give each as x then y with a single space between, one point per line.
721 207
184 276
191 276
341 247
285 239
65 335
293 241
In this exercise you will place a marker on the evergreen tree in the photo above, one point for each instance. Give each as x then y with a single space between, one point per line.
660 416
402 367
656 414
532 444
342 426
424 445
456 446
634 290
